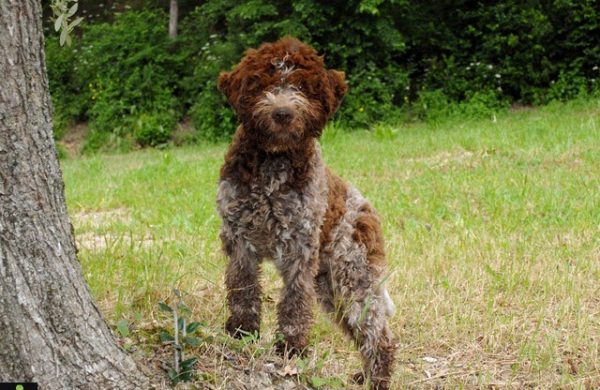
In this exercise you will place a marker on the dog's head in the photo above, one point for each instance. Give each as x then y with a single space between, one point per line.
283 93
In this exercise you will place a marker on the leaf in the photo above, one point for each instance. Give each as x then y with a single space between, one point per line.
188 364
74 23
180 323
123 328
174 376
58 22
72 10
192 341
63 36
193 326
165 337
177 293
164 307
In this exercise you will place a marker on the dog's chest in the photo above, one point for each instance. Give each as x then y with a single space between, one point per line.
268 213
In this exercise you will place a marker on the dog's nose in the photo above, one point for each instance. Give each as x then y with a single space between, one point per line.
282 115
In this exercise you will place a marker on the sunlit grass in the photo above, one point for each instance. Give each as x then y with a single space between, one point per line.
492 232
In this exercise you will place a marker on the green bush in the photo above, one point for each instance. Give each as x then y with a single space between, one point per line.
132 72
435 59
69 97
520 50
358 37
153 129
434 105
211 115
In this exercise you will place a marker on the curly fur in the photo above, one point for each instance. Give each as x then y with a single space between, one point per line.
279 201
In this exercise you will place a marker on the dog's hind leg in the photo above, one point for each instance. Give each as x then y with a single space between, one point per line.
366 322
363 316
350 284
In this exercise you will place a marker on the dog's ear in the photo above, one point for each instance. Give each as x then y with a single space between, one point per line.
224 83
229 85
337 82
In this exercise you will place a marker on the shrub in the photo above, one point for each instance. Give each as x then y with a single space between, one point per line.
153 129
483 104
132 75
434 105
69 99
210 113
435 58
358 37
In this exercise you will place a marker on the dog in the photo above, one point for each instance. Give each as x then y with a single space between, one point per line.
278 201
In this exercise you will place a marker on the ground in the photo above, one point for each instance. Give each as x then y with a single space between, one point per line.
492 231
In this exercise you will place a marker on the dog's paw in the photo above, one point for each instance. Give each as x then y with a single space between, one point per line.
287 350
238 331
381 384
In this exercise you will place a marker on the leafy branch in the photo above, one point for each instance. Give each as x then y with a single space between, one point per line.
63 12
183 336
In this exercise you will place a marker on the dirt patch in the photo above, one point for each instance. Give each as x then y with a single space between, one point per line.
96 219
96 242
518 107
72 141
445 158
184 133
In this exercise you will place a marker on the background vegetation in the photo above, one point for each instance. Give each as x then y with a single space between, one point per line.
404 59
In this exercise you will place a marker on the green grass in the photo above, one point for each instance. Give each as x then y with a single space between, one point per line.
492 233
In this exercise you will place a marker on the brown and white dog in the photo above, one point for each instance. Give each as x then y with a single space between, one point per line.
279 201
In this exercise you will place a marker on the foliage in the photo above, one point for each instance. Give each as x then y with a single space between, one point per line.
430 58
357 36
153 129
133 73
122 78
435 106
63 10
70 100
183 336
518 49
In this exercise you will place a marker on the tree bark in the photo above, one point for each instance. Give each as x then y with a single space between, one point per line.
51 332
173 17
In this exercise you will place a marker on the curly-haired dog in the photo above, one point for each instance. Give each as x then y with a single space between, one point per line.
278 200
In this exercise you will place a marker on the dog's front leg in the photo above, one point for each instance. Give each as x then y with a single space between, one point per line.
243 289
295 309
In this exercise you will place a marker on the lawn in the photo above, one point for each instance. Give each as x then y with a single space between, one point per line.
492 233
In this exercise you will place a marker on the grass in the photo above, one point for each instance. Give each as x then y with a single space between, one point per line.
493 240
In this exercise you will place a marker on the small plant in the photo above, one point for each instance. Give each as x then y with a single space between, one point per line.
312 374
153 129
183 336
63 11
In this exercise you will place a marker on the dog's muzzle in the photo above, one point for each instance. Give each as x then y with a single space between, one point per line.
282 115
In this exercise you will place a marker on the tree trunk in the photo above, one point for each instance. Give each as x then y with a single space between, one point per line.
51 332
173 15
